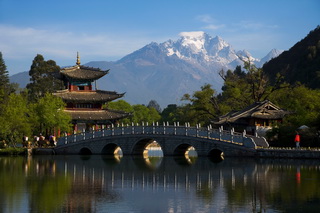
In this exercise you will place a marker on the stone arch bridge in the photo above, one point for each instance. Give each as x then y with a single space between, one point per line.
174 141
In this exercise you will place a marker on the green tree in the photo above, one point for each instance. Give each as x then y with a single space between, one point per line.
203 105
48 115
304 103
43 78
6 87
142 113
169 114
241 88
122 106
236 92
4 74
14 119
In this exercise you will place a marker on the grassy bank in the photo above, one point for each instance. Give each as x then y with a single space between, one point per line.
13 151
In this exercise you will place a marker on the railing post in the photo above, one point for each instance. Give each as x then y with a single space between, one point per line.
186 125
112 130
220 133
164 128
122 129
244 133
142 127
175 128
132 128
197 130
153 128
231 133
208 132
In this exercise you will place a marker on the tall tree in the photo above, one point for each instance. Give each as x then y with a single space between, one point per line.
14 119
241 89
203 105
43 78
48 115
4 74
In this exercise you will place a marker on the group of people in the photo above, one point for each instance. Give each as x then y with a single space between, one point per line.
39 141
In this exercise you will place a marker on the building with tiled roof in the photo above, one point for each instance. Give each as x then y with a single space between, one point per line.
84 104
259 116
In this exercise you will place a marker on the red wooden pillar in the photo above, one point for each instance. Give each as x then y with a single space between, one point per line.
75 128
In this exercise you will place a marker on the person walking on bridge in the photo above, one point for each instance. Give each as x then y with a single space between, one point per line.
297 140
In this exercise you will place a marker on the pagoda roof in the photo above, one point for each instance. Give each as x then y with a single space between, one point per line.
80 72
96 115
97 96
263 110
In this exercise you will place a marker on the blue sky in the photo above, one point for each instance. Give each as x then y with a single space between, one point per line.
108 30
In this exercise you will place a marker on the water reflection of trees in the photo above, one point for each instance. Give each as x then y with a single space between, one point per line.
281 184
12 179
74 184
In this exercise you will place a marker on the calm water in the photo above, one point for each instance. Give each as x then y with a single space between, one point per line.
132 184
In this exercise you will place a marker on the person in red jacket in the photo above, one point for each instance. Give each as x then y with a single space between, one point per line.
297 140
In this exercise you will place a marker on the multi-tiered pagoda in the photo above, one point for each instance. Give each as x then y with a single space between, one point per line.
84 103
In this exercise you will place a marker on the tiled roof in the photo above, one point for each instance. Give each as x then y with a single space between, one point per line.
96 115
264 110
83 73
98 96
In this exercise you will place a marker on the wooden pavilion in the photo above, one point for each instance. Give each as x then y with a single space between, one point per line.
84 103
254 119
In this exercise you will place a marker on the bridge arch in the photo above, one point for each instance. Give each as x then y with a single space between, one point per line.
182 149
110 149
216 154
85 151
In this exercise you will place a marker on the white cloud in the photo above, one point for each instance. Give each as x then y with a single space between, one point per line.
210 23
19 42
213 27
19 45
205 18
253 25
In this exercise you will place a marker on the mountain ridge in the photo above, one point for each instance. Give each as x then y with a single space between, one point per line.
166 71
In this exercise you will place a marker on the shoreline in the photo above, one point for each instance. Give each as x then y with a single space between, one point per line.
273 153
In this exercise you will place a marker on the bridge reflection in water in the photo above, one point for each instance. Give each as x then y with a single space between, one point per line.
152 173
98 183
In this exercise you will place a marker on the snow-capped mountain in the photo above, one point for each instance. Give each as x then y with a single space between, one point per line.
165 72
272 54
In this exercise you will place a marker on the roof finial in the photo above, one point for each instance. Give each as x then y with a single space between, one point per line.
78 59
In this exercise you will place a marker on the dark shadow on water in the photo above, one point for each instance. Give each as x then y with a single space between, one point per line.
85 157
111 159
184 161
216 159
149 163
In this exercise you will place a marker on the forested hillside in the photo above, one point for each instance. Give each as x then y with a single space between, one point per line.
301 63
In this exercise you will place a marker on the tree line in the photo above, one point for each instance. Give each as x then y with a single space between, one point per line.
35 110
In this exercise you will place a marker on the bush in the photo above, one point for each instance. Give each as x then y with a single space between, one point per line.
13 151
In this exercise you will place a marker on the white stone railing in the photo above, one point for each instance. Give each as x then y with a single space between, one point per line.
165 129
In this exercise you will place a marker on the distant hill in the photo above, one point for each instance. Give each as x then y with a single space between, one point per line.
21 78
300 63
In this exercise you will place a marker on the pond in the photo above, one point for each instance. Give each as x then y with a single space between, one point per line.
157 184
